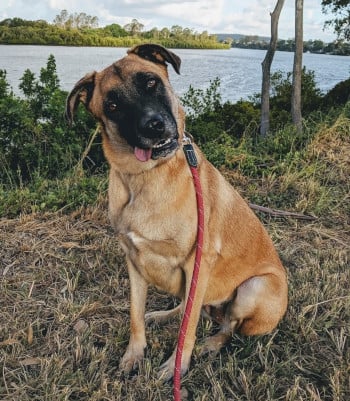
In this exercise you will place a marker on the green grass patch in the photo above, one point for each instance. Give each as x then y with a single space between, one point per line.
42 195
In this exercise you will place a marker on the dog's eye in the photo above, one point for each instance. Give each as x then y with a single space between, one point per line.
151 83
112 106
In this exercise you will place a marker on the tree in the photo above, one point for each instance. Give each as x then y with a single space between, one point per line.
134 28
297 66
341 22
78 21
61 19
114 30
165 33
266 68
176 30
154 33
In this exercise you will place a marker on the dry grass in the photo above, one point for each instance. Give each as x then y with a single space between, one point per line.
64 306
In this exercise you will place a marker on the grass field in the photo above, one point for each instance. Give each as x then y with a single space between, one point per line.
65 311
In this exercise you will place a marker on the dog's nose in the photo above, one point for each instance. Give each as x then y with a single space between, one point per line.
152 126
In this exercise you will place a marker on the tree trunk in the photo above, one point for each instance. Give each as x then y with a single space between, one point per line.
297 66
266 67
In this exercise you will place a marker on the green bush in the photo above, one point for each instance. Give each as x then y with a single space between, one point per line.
337 96
207 118
282 88
34 136
240 118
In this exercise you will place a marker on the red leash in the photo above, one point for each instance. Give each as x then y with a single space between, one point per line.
192 161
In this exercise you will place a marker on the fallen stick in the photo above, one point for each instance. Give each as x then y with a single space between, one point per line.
281 213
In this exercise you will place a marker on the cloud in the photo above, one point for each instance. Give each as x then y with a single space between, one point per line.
206 14
164 13
252 19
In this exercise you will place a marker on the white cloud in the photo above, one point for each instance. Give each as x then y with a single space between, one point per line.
251 20
206 13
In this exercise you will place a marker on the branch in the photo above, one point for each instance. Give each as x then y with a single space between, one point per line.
281 213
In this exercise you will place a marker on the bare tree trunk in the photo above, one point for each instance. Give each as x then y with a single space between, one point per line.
297 66
266 68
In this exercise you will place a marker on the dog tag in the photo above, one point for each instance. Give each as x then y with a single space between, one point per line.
190 155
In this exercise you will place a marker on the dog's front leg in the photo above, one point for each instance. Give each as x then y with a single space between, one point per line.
167 369
137 342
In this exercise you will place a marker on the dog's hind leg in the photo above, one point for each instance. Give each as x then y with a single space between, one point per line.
163 315
257 307
260 303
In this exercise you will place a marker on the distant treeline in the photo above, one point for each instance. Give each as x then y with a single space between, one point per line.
82 30
338 47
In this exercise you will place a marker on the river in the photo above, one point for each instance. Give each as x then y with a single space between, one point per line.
239 70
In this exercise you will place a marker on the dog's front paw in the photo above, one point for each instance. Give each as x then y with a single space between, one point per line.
131 359
166 371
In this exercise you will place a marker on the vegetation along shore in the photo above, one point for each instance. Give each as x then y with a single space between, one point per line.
80 29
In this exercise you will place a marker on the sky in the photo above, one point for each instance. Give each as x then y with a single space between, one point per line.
247 17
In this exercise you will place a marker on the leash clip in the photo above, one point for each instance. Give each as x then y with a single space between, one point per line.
186 139
189 151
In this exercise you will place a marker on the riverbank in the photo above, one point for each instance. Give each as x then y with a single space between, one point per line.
20 32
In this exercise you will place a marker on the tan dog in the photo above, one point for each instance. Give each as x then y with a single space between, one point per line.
242 283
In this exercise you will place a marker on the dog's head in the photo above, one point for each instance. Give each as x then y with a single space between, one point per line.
135 104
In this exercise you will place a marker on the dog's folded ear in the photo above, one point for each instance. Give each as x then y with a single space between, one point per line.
82 92
157 54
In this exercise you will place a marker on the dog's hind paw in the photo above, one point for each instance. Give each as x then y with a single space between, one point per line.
213 344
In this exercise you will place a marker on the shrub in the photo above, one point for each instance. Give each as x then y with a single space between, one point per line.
281 87
240 118
199 102
208 118
337 96
34 136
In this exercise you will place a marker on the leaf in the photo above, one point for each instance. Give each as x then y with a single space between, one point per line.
80 326
30 361
30 334
9 341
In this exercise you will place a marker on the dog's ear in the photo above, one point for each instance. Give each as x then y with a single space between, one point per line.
157 54
82 92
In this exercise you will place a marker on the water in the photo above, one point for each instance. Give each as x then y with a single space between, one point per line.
238 69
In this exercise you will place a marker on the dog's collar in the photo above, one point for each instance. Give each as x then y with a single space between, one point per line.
187 138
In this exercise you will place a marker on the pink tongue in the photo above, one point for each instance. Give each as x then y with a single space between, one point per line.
142 154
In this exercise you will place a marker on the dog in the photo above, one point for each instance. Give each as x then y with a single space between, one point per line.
152 207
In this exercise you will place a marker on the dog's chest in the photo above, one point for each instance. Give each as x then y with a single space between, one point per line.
158 261
150 226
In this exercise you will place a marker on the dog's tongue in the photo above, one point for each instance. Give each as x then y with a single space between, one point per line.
142 154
